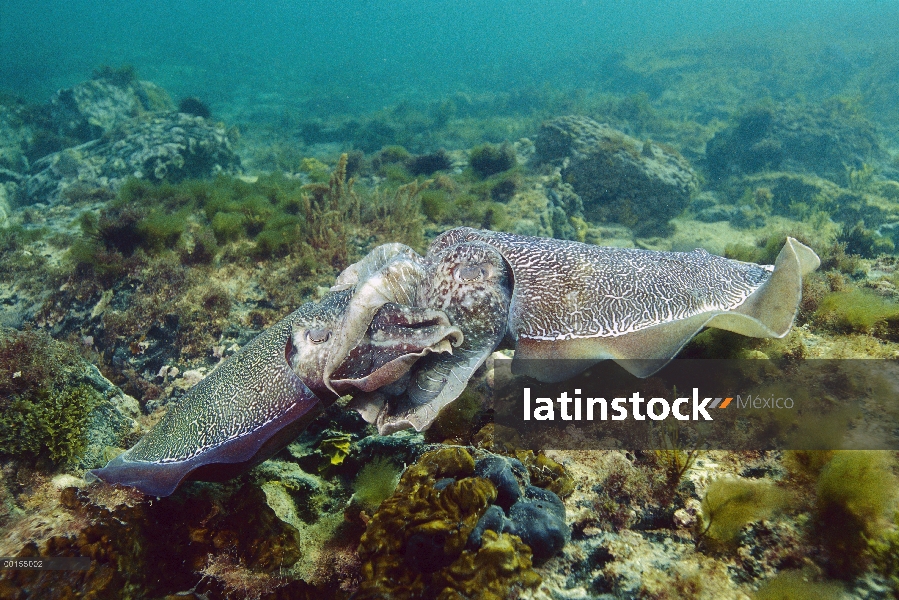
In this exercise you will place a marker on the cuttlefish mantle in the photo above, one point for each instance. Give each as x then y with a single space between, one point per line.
637 307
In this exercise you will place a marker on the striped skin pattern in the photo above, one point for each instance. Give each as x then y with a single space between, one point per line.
410 332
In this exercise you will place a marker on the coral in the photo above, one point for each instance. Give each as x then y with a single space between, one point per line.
489 159
414 545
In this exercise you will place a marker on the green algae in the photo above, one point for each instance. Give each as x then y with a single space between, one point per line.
44 408
854 494
884 552
859 311
490 159
375 482
793 585
731 504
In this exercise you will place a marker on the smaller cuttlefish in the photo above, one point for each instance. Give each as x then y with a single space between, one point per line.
404 334
260 399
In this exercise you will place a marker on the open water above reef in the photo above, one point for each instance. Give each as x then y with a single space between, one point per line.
175 177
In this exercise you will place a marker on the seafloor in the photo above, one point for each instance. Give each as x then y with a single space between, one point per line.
143 241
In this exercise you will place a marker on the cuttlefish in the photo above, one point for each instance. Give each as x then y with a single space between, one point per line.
404 333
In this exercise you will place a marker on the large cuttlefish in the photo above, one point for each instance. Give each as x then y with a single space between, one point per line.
404 333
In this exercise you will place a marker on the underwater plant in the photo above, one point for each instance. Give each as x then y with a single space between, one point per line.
854 494
192 105
489 159
730 504
375 482
44 403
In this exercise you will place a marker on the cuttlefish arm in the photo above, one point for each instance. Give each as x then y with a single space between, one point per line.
389 274
470 283
638 307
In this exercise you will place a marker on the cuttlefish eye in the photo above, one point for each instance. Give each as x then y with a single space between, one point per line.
318 336
470 272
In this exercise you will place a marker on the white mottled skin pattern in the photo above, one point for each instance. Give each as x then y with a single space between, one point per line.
567 290
470 283
251 389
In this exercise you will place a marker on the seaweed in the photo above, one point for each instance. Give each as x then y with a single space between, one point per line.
415 544
794 585
489 159
375 482
44 406
859 311
854 494
730 504
192 105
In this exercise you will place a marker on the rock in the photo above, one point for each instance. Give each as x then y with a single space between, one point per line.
169 147
88 110
797 196
15 133
820 139
109 421
619 178
4 208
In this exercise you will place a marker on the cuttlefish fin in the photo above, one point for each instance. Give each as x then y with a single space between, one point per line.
768 312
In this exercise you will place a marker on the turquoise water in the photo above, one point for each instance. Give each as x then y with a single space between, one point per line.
363 54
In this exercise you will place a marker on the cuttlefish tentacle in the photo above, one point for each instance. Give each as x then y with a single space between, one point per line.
397 337
470 283
260 399
408 333
391 273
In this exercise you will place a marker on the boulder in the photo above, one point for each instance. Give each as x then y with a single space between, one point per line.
167 147
826 140
88 110
639 184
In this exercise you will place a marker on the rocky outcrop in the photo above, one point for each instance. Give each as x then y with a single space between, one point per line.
91 108
826 140
639 184
169 147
